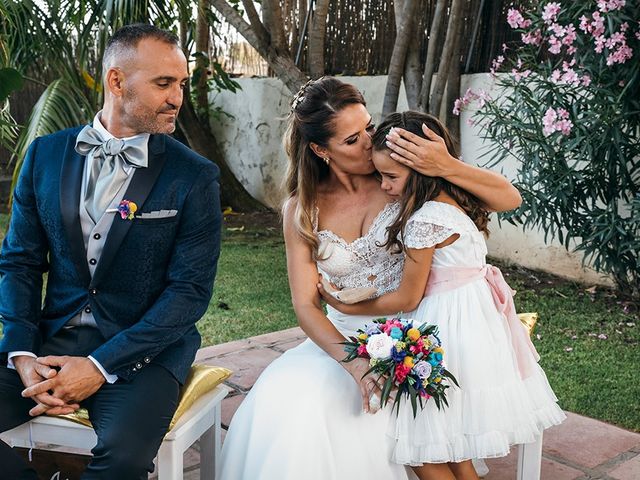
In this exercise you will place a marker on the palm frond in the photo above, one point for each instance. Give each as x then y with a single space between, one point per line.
60 106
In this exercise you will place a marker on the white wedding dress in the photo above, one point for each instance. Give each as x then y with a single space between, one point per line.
303 418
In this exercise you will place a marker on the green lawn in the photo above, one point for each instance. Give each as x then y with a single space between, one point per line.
251 294
597 377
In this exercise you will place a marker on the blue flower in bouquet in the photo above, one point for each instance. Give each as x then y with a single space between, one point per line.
372 329
422 369
396 333
398 355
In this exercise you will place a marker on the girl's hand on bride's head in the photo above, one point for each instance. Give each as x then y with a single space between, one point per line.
427 156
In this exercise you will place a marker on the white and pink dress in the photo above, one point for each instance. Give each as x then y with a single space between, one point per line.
504 396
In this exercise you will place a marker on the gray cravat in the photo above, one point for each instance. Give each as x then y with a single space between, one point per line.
107 169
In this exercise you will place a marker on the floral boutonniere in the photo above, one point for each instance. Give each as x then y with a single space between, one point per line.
127 209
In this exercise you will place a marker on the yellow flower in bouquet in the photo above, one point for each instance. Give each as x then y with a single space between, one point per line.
413 334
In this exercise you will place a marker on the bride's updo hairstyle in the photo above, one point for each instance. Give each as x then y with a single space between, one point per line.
312 120
420 188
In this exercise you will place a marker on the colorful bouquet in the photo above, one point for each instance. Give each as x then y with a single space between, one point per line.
403 356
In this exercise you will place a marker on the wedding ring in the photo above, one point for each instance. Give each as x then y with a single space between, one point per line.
374 401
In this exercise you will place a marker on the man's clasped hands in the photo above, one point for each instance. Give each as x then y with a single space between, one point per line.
57 384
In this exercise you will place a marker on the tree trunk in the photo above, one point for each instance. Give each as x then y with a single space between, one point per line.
453 29
274 24
201 140
432 50
316 39
254 19
453 92
396 65
199 136
281 63
202 62
413 72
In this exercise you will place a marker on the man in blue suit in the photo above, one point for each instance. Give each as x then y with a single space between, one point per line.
126 221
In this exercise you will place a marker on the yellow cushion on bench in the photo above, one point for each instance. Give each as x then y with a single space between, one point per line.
529 320
202 379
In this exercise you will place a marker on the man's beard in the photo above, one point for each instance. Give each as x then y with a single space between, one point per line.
145 121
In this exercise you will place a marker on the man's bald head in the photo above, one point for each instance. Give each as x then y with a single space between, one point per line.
122 45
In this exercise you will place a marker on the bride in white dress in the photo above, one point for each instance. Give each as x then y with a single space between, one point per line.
308 415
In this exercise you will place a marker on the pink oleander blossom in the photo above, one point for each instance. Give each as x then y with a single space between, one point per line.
515 18
518 75
586 80
532 38
550 12
570 36
610 5
549 121
597 25
496 64
556 121
555 45
558 30
621 55
469 96
570 76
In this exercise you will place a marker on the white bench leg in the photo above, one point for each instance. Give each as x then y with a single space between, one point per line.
530 460
170 460
210 449
480 466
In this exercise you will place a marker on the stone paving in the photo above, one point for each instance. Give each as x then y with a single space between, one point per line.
580 449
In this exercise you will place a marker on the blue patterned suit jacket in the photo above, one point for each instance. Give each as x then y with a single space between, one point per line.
155 277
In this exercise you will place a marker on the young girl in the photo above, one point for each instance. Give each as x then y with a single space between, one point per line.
504 397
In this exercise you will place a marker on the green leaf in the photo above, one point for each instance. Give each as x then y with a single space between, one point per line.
10 81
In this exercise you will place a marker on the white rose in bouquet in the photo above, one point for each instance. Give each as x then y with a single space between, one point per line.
379 346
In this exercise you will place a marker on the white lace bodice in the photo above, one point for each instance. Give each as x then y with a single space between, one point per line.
365 262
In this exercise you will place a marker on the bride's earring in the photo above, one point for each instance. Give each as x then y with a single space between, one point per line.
326 160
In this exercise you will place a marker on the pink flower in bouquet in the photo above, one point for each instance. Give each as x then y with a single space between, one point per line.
362 350
401 372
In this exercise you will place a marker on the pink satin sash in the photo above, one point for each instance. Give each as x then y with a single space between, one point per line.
442 279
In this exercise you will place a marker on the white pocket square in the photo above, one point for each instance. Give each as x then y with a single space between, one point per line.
158 214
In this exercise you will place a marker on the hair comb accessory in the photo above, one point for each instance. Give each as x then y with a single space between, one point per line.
298 98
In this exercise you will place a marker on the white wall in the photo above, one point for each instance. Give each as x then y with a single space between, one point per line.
252 144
